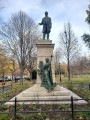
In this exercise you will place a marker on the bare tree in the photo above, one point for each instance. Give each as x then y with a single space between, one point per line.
68 45
81 64
1 7
20 34
57 56
31 58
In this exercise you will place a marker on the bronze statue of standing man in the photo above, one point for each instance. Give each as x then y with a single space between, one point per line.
46 22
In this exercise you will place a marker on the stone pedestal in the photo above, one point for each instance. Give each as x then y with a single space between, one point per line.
36 92
45 50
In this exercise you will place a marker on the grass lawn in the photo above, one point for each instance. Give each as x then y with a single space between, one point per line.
16 89
75 79
85 79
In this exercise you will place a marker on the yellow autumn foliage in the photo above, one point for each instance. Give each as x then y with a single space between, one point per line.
7 65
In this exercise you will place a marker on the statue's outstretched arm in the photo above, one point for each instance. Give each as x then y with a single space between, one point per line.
41 23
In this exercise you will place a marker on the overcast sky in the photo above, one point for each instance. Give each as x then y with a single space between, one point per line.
61 11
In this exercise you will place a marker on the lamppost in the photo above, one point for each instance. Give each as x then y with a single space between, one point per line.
60 72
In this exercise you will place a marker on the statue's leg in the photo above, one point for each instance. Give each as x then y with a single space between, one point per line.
42 79
43 36
47 36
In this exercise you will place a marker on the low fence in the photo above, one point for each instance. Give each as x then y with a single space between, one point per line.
8 87
75 85
4 88
72 110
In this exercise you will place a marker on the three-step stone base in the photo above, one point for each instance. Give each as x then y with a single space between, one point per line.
59 95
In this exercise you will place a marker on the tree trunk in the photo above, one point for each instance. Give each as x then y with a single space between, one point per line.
12 77
21 75
68 67
30 72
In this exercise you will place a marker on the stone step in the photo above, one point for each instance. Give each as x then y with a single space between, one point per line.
79 102
54 93
37 92
47 98
38 88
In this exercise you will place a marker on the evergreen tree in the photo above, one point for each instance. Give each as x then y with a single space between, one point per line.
86 37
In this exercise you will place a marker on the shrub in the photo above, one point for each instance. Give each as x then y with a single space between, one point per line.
4 117
34 74
70 86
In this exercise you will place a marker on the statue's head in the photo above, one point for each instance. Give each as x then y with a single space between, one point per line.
46 13
47 60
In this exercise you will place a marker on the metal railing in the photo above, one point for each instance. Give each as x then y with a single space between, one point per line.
72 111
4 88
76 84
9 87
